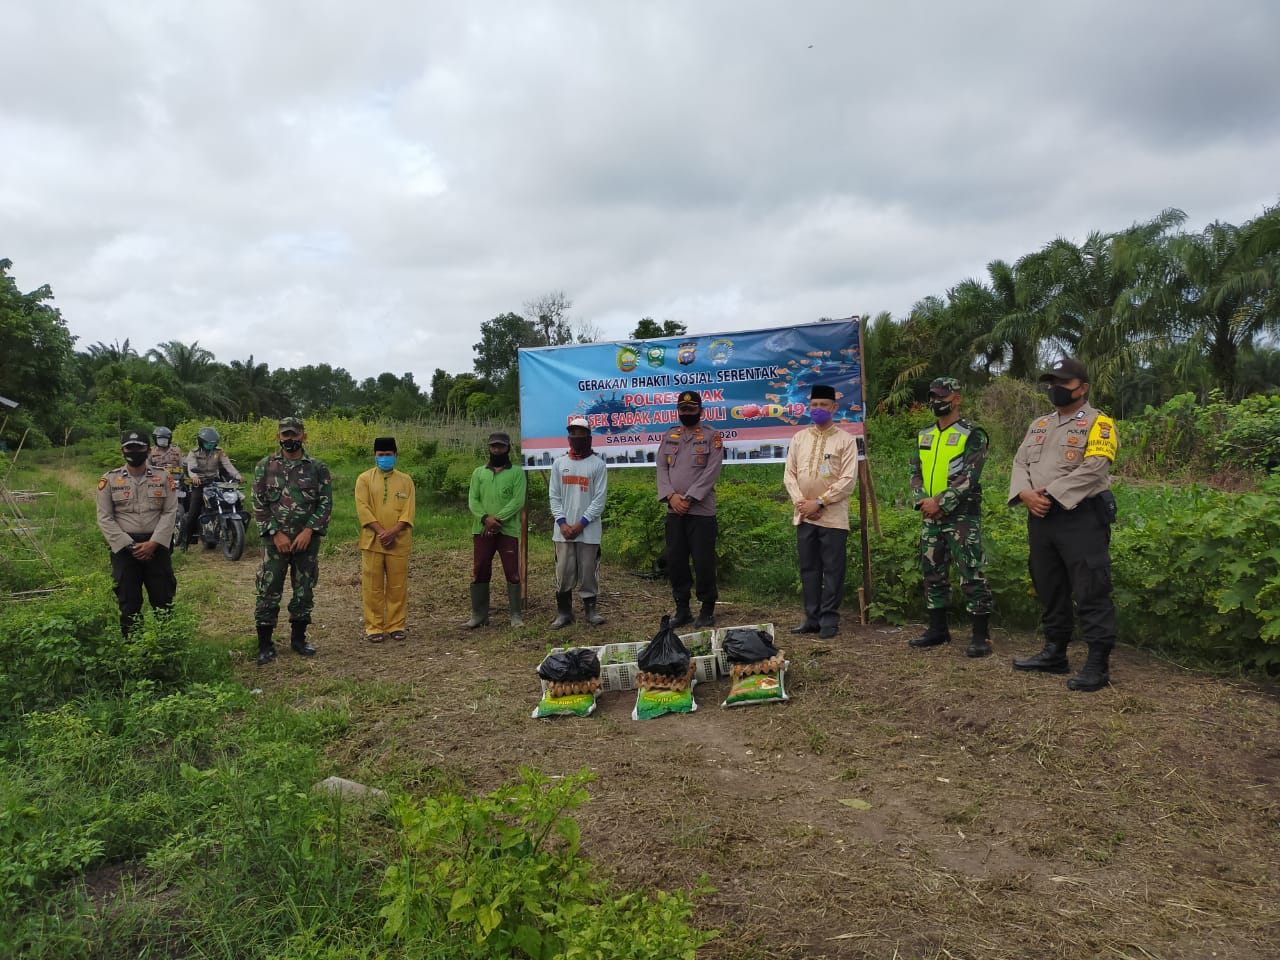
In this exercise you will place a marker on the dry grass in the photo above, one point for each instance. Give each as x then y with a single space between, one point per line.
1007 817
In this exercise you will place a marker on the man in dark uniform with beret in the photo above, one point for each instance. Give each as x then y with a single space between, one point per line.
137 507
1061 473
689 463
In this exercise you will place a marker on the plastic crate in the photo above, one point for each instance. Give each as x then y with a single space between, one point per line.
618 676
717 642
618 667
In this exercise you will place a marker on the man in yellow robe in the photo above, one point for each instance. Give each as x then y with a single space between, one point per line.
385 503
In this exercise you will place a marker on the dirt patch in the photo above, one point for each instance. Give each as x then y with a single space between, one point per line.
1004 815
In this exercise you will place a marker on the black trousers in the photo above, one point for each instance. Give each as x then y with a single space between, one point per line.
692 537
823 559
130 575
1070 561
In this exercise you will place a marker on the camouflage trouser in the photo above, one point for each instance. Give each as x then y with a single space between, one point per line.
958 537
303 568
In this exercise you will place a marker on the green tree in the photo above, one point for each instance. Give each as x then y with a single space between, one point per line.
37 351
253 390
497 353
649 329
317 387
201 380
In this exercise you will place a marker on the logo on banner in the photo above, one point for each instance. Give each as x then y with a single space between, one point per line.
688 352
720 351
628 359
656 356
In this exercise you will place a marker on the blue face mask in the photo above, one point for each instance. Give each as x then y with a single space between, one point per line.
385 463
820 416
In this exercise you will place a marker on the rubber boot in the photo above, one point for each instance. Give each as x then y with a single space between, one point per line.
980 644
564 610
298 639
683 614
706 616
590 613
513 601
1052 659
479 606
266 647
1096 673
937 633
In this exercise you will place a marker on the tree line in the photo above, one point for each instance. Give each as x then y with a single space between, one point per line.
1152 310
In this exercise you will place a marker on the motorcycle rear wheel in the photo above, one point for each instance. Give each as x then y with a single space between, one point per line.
233 539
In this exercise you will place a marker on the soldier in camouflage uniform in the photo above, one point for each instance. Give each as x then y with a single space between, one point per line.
292 502
946 474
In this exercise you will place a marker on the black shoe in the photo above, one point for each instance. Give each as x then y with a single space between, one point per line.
266 655
564 610
1052 659
1094 675
266 648
298 640
806 628
826 633
980 643
706 616
937 634
682 616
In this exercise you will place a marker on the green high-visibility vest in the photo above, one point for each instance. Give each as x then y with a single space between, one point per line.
942 455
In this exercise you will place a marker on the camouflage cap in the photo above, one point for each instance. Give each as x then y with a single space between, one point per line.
944 386
134 438
290 423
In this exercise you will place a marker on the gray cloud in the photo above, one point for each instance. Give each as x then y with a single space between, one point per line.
309 183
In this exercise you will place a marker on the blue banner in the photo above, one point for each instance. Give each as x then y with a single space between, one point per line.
754 387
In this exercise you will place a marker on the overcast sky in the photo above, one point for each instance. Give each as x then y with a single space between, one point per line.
365 184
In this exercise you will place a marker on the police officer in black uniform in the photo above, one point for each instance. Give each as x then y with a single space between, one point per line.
137 508
689 463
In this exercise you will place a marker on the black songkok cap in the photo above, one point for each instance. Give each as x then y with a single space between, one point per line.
822 391
385 443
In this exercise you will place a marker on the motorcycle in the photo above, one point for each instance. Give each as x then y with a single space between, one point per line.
223 519
182 487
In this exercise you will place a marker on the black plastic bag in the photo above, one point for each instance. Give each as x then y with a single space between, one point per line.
666 654
743 645
572 666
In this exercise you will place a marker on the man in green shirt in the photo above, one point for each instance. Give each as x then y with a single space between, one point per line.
496 498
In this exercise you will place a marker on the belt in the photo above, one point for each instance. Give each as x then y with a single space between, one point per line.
141 537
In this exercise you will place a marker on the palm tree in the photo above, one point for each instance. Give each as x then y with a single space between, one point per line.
1223 292
200 378
252 389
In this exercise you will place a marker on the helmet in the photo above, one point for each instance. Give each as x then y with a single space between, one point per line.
207 437
164 432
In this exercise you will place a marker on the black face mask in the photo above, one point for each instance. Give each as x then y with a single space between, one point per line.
940 408
580 445
291 446
1061 396
135 458
499 461
690 419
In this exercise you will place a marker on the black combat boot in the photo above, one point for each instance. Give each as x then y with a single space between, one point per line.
937 633
706 616
298 639
266 647
564 610
683 614
1095 674
980 644
1052 659
590 613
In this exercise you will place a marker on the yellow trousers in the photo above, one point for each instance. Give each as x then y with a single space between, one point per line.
384 581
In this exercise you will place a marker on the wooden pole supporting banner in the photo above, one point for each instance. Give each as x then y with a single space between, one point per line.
864 484
524 557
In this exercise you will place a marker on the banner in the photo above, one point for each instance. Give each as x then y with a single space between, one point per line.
754 387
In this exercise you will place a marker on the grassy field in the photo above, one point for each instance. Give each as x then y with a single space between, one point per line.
903 803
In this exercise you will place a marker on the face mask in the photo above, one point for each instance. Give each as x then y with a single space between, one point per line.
135 458
580 444
1060 396
208 447
384 463
291 446
940 407
162 442
499 460
690 419
820 416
